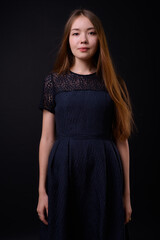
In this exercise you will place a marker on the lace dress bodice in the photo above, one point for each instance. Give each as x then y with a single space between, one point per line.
54 84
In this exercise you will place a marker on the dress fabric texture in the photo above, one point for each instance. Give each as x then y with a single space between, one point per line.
85 175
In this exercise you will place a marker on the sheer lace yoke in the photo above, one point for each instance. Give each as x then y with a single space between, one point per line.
54 84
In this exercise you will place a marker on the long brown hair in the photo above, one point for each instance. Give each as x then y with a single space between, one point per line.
117 89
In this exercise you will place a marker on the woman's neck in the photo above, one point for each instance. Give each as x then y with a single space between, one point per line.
83 67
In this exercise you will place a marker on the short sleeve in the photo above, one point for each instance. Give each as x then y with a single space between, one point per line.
47 100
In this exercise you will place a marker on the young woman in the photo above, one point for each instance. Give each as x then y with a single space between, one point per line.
84 188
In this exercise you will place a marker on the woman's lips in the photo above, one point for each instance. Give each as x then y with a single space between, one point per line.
83 49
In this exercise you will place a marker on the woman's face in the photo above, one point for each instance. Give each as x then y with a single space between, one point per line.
83 38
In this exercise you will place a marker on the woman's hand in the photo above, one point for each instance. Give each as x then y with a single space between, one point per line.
42 207
127 207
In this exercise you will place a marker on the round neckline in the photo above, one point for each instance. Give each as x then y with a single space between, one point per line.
90 74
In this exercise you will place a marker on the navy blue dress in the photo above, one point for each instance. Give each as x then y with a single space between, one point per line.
85 174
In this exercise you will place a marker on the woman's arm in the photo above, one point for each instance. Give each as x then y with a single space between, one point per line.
46 143
123 148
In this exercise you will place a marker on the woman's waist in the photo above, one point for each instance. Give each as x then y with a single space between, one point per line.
84 136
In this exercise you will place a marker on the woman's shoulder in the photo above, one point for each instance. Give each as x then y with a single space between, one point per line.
56 76
56 81
51 79
51 75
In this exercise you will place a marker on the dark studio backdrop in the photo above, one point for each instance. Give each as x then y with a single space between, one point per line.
30 35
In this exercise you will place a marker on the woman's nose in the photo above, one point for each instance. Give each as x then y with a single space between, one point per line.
83 38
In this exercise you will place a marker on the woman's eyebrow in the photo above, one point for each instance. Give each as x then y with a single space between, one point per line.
79 29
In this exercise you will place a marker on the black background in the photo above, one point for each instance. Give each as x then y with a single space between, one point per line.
29 37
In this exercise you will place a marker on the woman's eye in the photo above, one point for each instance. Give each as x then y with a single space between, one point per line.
75 34
92 33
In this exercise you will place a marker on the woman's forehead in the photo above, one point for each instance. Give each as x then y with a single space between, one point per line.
82 22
